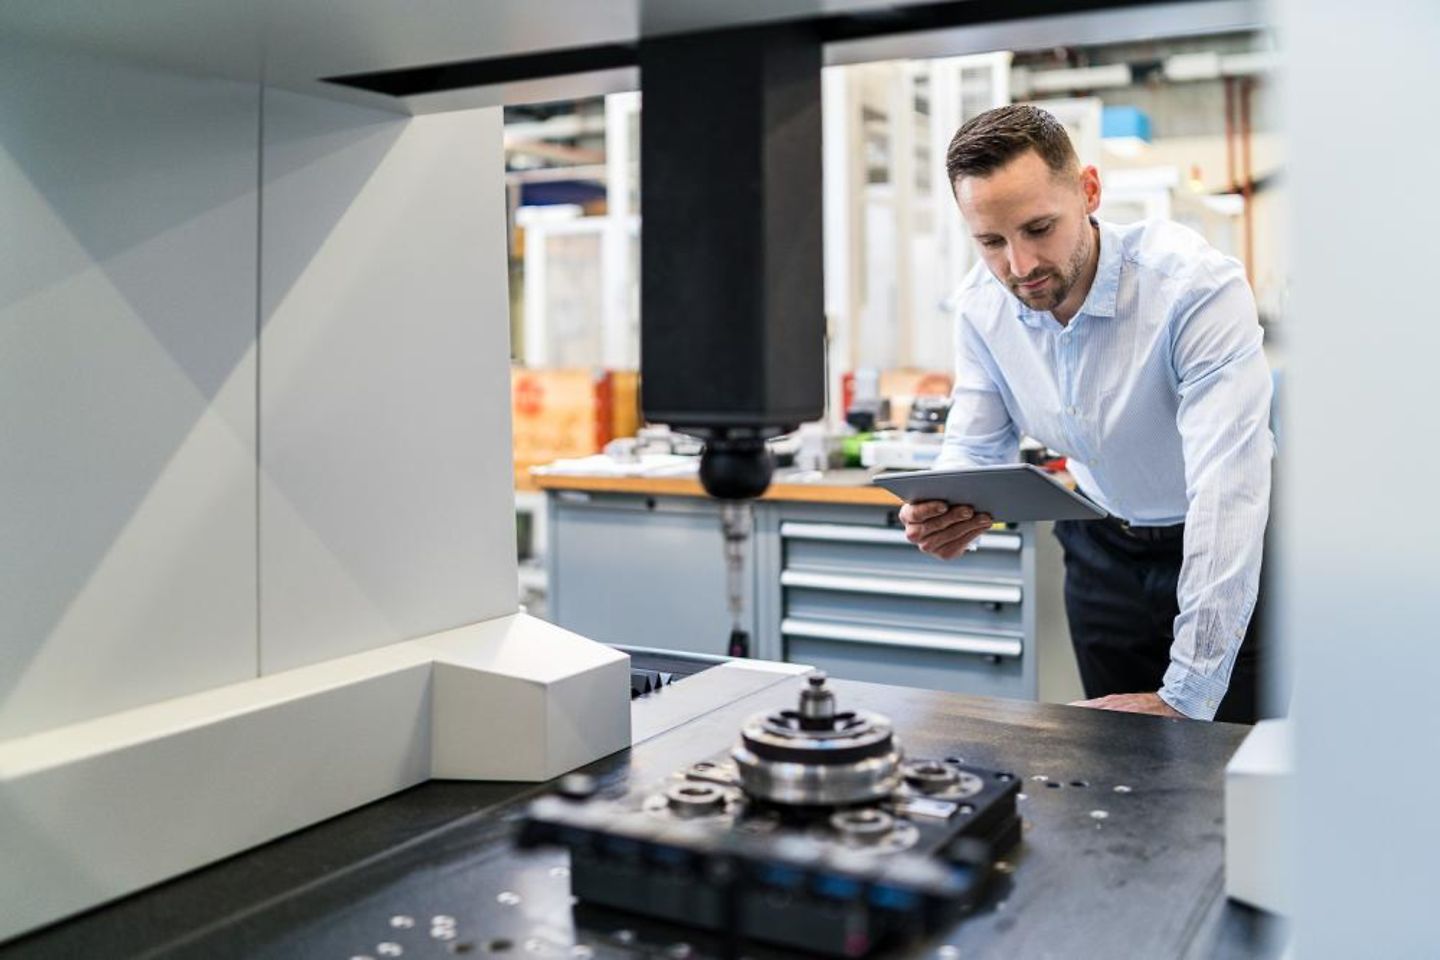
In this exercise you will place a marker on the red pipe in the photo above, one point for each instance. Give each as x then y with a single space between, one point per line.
1230 134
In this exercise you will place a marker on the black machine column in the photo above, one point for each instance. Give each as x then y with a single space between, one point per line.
732 304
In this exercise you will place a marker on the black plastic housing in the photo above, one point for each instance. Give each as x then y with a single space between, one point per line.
732 300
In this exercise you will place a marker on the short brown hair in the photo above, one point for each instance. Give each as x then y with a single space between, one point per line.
987 142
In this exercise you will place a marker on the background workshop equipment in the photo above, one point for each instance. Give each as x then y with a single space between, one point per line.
267 688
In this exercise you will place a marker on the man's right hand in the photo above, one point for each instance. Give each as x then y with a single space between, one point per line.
942 530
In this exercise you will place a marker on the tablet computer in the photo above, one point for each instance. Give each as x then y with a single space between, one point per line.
1009 492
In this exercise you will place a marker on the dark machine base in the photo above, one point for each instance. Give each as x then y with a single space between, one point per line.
771 874
1122 857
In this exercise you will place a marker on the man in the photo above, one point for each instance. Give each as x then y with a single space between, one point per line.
1135 351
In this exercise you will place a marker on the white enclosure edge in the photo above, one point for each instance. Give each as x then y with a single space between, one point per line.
103 808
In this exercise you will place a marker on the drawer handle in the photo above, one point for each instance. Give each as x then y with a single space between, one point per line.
900 587
916 639
854 533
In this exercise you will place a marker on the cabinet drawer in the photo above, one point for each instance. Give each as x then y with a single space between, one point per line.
997 541
986 645
853 548
931 669
974 591
901 611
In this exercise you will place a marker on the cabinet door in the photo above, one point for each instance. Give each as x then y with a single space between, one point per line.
646 572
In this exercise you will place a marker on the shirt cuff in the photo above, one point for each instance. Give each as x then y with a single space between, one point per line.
1196 696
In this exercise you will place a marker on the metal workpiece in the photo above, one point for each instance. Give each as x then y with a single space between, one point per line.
695 799
807 836
797 784
816 756
817 703
941 780
871 829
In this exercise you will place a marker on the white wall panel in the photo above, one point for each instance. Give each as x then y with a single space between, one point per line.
386 501
1360 568
127 400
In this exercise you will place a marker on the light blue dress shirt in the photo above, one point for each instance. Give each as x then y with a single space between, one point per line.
1158 392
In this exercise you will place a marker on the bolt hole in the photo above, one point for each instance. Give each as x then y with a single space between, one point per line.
500 946
1053 784
1078 783
464 946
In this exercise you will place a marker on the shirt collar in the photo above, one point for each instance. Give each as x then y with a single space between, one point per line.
1100 301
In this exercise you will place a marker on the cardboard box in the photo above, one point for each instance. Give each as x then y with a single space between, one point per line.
569 412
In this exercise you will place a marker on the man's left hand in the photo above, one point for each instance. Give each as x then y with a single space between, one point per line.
1132 703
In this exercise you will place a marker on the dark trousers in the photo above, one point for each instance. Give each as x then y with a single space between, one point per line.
1120 601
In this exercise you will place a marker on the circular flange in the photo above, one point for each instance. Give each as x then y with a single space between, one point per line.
929 776
813 757
942 781
866 829
694 800
864 826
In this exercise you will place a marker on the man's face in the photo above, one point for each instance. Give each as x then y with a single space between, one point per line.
1032 227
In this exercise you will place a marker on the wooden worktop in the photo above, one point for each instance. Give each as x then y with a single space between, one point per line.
835 486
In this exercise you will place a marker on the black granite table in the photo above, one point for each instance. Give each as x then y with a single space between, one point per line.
1122 855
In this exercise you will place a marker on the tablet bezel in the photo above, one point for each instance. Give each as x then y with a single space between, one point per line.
1061 495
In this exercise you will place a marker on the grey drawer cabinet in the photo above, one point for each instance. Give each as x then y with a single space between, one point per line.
641 571
832 585
852 596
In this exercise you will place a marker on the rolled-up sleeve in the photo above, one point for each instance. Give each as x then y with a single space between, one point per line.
1224 387
979 430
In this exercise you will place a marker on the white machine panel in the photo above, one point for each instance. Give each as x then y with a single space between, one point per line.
127 386
162 703
385 513
1260 802
96 810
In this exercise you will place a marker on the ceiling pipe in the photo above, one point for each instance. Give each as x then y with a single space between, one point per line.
1248 181
1179 68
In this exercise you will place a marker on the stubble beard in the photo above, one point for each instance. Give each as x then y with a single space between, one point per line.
1065 279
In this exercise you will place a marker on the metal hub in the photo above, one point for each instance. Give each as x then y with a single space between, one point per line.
816 755
940 780
695 799
929 776
864 826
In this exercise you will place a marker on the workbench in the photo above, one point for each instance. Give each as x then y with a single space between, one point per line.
1101 872
828 580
